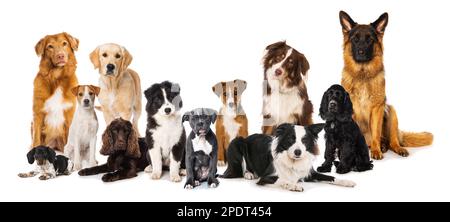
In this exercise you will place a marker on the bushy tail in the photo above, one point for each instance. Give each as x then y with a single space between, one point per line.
408 139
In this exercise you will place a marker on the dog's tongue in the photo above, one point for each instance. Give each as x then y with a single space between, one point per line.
202 131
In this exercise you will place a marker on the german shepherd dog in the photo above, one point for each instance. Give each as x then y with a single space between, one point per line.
363 78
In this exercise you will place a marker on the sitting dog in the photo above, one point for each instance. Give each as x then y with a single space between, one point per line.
285 159
232 121
201 148
342 134
49 165
83 130
165 134
126 153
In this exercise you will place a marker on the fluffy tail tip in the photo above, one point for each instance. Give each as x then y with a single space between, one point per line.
416 139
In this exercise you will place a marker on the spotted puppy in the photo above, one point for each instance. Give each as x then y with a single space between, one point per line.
201 148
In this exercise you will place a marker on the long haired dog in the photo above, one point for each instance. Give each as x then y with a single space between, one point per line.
165 134
231 121
363 78
285 98
48 164
126 153
285 159
53 102
342 134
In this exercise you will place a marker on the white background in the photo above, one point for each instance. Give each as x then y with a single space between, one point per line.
199 43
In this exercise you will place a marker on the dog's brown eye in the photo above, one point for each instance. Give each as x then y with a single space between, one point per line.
50 46
80 94
90 93
117 56
105 55
64 43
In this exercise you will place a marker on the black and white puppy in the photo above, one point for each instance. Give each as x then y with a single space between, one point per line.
284 159
48 164
201 148
165 134
342 134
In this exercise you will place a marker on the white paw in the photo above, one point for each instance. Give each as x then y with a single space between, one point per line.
188 187
175 178
249 176
182 172
292 187
221 163
156 175
148 169
344 183
197 183
77 166
213 185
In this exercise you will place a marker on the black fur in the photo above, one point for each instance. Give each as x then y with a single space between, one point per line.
42 153
342 134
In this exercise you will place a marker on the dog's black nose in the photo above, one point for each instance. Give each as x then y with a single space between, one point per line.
110 67
297 152
86 102
167 110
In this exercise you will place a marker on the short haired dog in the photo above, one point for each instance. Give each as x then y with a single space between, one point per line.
342 134
48 164
83 130
201 148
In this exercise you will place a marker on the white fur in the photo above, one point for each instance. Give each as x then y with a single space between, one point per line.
82 135
344 183
199 143
231 126
47 171
55 107
290 169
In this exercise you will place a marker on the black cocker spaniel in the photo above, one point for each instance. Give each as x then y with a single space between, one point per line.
342 134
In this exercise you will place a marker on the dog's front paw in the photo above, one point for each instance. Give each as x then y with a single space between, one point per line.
292 187
23 175
109 177
45 177
175 177
182 172
344 183
324 169
249 176
190 184
376 154
148 169
402 152
77 166
213 182
197 183
221 163
156 175
342 170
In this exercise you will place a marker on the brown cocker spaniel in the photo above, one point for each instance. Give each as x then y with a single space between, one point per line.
127 153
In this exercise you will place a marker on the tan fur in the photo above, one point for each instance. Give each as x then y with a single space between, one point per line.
378 121
120 94
54 74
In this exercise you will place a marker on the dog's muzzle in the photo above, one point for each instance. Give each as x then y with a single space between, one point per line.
110 69
332 106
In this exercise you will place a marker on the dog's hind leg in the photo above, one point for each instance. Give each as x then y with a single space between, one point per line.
318 177
393 133
235 158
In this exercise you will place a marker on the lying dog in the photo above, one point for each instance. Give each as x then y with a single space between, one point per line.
232 121
48 164
201 148
83 130
285 159
126 153
342 134
165 134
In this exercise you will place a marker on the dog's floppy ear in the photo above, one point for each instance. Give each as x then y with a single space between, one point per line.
324 106
40 46
94 57
127 58
132 143
315 129
276 45
241 85
212 113
304 65
218 88
30 155
72 41
347 108
51 154
74 90
347 22
107 140
381 23
186 116
96 89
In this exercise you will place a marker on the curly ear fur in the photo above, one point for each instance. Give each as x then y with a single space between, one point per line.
108 141
51 155
30 156
323 110
347 108
132 143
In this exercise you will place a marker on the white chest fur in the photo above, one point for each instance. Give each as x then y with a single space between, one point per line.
84 127
167 134
199 143
230 125
293 170
55 107
281 105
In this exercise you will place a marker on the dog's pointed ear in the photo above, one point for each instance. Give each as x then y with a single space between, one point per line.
108 141
74 90
94 57
324 106
186 116
304 65
347 22
241 85
315 129
51 155
127 58
40 46
30 155
380 24
132 143
74 42
96 89
218 88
